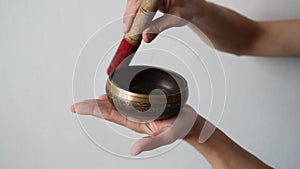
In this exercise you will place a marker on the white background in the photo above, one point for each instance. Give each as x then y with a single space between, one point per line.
39 44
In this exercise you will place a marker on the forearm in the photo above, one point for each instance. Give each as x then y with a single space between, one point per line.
279 38
233 33
227 30
220 151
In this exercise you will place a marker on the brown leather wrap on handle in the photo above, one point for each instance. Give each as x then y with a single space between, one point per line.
144 16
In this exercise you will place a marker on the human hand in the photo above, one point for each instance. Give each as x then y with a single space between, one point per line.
161 132
176 13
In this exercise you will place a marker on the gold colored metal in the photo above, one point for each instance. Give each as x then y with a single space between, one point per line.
123 94
145 106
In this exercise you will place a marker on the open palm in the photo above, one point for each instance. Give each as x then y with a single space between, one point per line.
161 132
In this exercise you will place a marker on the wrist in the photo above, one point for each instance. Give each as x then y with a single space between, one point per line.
212 149
194 133
200 9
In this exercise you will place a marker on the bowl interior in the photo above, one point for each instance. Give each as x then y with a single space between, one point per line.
144 79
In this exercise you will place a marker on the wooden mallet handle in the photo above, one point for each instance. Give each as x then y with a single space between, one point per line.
132 40
144 16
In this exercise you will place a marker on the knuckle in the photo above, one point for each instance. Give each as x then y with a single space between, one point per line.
126 13
107 115
96 111
102 111
111 114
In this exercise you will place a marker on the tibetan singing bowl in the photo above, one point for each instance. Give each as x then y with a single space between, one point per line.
146 93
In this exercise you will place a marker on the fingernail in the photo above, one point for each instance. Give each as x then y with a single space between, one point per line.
72 108
134 152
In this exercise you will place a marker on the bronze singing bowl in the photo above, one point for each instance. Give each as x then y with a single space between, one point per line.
146 93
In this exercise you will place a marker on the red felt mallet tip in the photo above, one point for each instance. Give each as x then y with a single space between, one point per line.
125 51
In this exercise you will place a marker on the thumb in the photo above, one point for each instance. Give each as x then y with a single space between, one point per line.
152 142
161 24
180 128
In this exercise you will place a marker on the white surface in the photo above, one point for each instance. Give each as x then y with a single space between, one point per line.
39 44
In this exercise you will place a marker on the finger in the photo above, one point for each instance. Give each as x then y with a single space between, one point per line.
180 128
103 109
103 97
72 108
129 15
161 24
95 107
164 6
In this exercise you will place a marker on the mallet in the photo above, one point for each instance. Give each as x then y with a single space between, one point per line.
132 40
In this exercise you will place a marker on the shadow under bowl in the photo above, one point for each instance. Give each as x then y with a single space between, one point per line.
146 93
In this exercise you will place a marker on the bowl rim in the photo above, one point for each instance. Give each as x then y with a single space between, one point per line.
117 91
